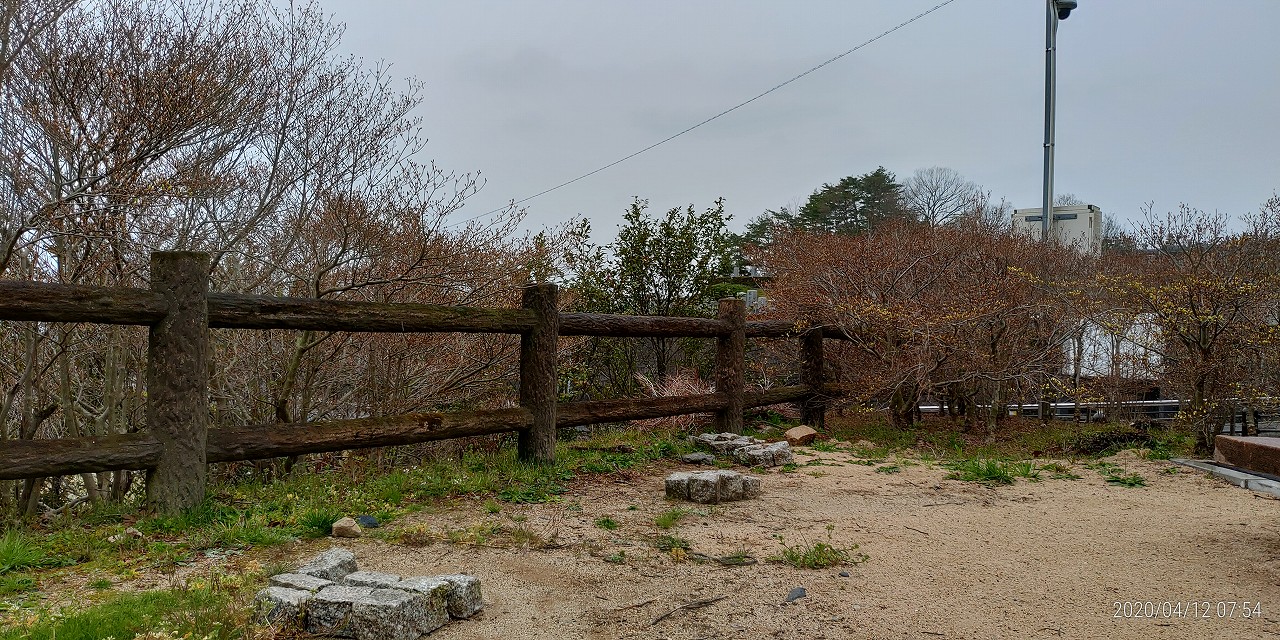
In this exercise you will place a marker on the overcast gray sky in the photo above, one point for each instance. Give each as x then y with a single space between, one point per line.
1170 101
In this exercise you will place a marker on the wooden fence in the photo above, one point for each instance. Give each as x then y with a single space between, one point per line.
179 309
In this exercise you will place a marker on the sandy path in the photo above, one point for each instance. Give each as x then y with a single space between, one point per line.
948 559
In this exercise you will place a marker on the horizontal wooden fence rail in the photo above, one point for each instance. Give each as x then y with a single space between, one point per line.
21 459
50 302
178 309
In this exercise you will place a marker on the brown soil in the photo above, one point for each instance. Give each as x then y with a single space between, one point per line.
948 559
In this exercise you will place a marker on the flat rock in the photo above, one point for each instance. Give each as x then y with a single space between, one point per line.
698 458
346 528
299 581
332 565
281 606
329 611
375 579
464 595
801 435
765 455
723 442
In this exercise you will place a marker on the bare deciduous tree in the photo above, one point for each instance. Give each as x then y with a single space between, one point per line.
938 196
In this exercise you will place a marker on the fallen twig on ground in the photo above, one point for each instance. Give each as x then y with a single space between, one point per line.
636 605
697 604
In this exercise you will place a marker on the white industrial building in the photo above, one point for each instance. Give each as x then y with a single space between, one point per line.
1080 226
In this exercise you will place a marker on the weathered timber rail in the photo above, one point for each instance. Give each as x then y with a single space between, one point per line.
179 309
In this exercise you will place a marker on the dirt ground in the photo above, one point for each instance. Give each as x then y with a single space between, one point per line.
947 559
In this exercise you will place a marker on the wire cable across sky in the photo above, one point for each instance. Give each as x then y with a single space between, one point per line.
712 118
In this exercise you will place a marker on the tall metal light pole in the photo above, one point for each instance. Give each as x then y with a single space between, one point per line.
1056 10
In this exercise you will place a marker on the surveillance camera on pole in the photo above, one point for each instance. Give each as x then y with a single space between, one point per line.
1057 10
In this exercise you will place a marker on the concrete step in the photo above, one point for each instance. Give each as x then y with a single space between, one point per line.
1256 453
1239 478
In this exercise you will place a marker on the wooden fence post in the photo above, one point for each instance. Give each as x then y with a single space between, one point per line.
538 377
813 409
178 381
730 353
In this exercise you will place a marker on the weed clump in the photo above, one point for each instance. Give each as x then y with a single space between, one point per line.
669 543
319 521
818 555
993 472
668 519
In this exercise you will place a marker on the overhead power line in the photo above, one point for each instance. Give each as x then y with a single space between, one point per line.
712 118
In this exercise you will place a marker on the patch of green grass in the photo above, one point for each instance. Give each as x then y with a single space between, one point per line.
252 512
1125 479
667 543
825 446
1059 471
818 555
18 551
790 467
100 584
669 518
1025 469
607 523
1113 473
878 431
251 530
1173 471
200 612
1104 467
982 470
318 522
1171 444
13 583
617 558
889 468
949 443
